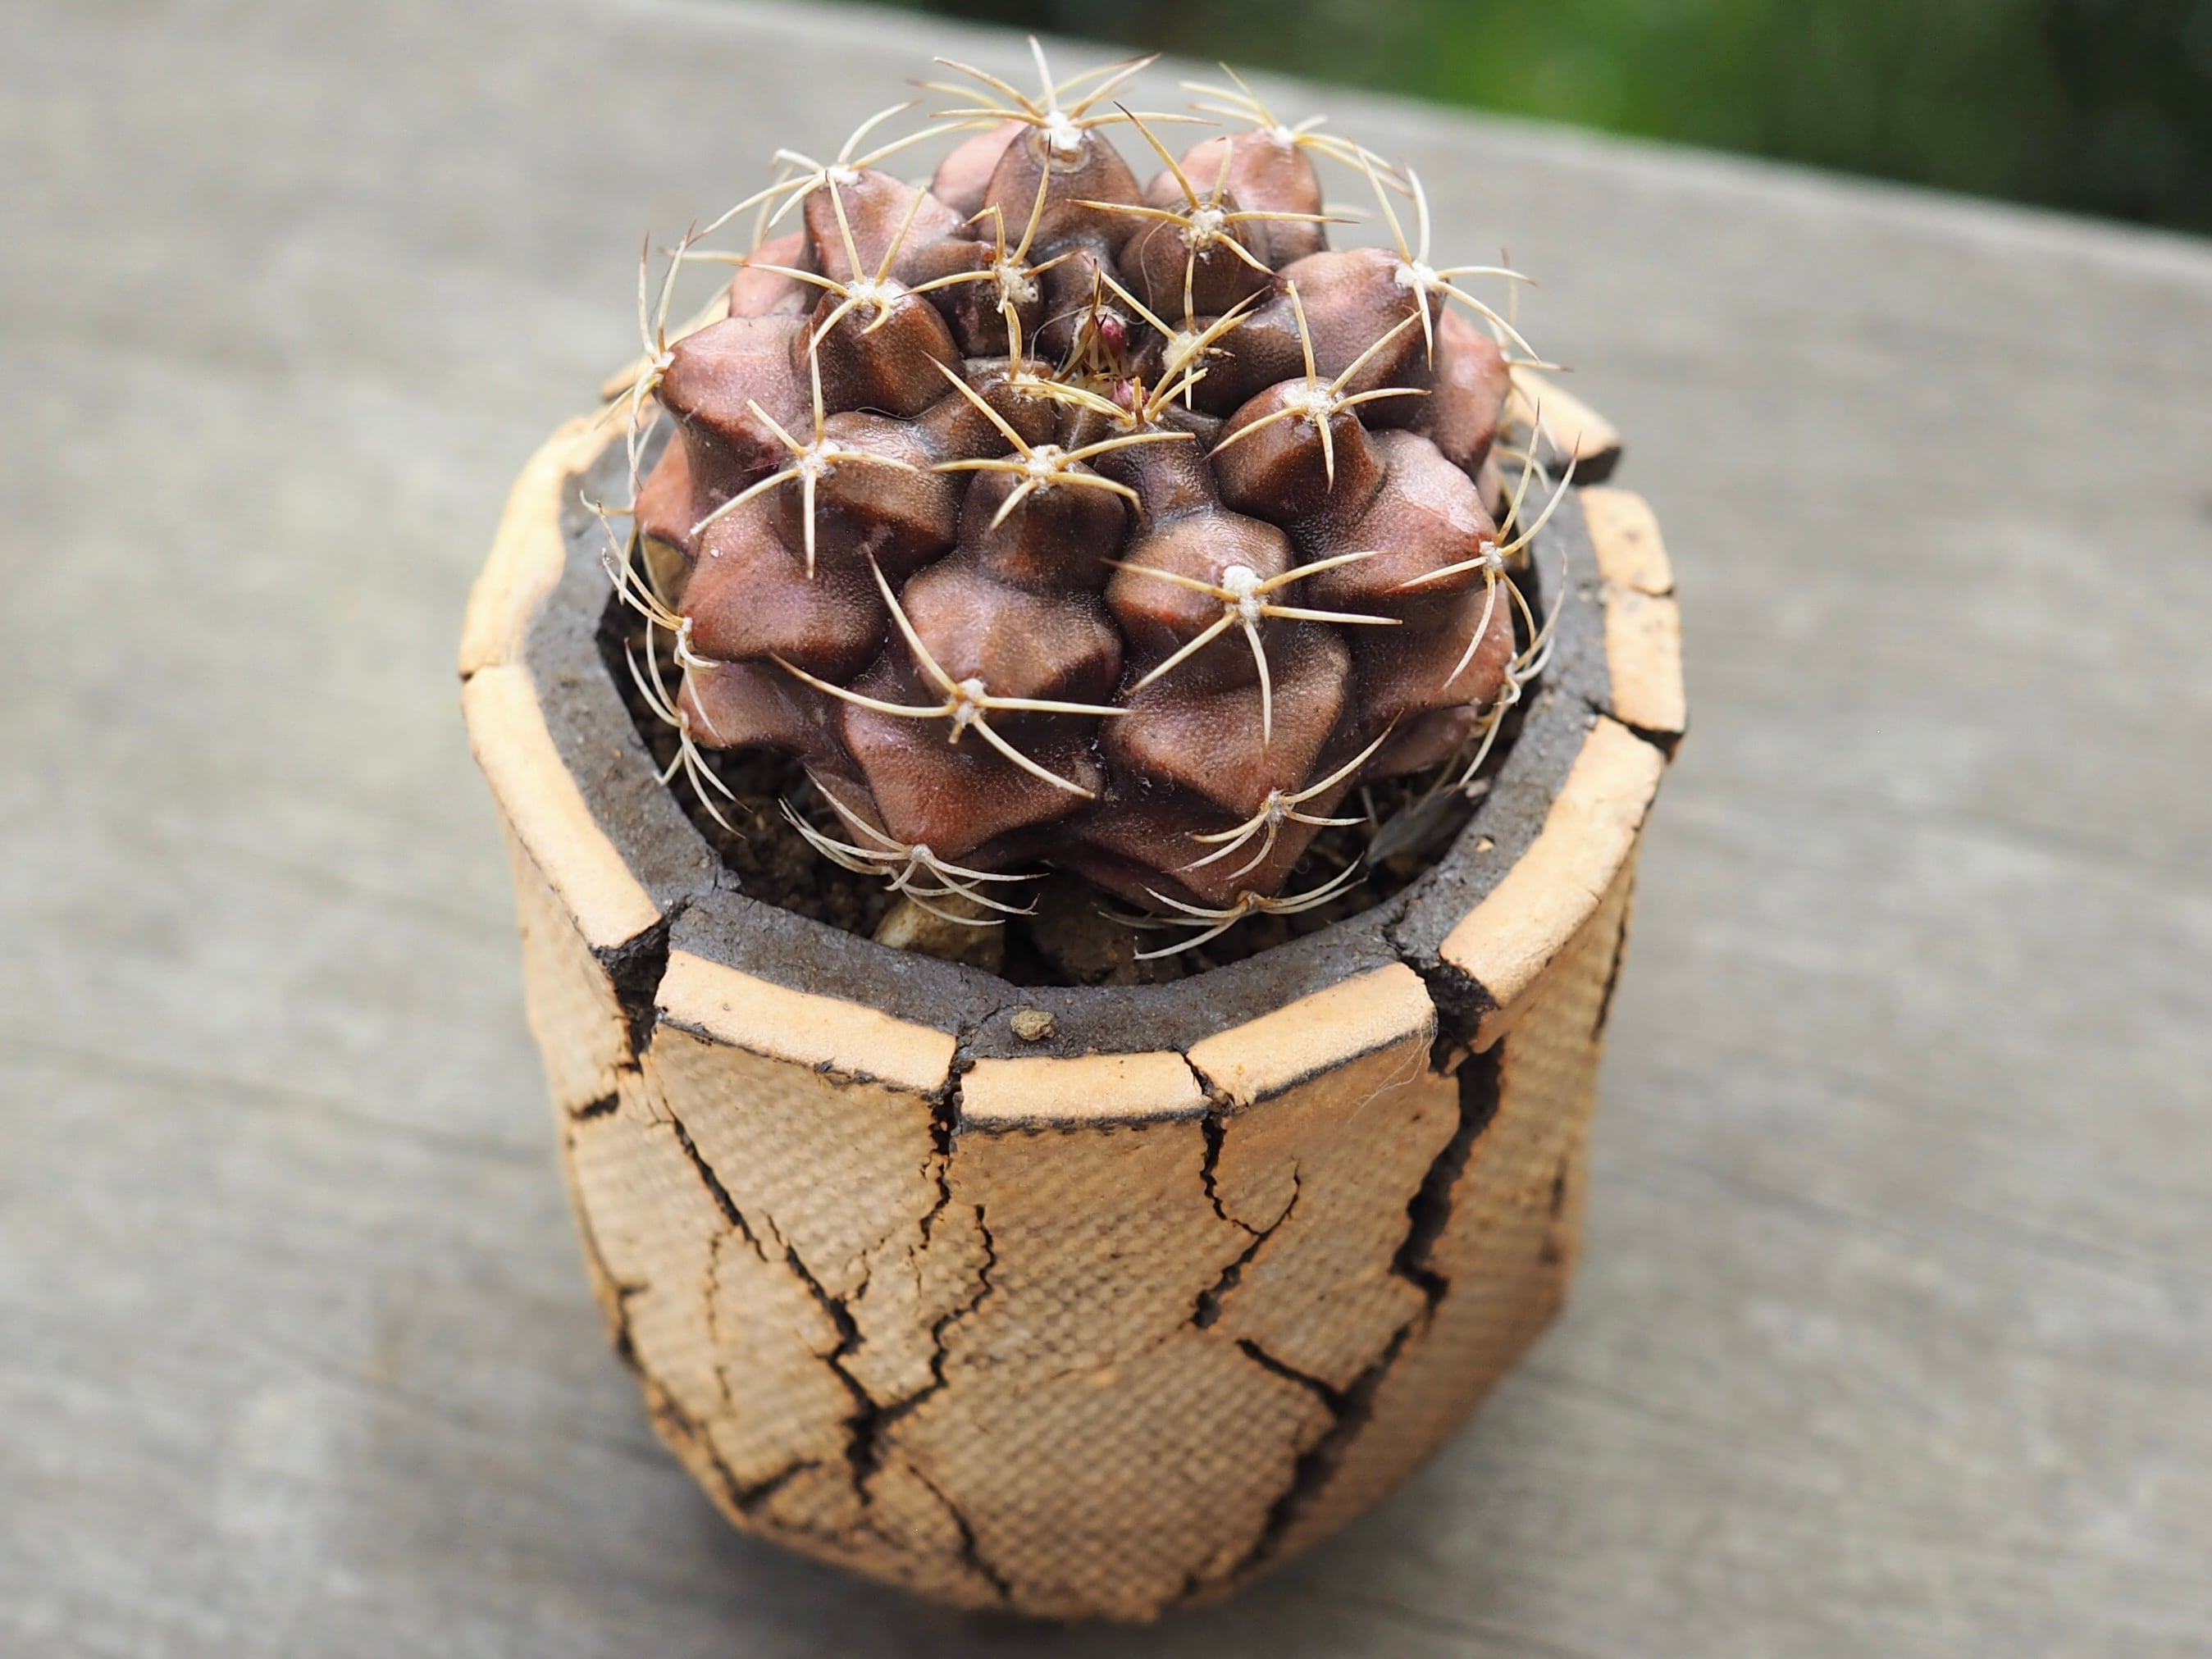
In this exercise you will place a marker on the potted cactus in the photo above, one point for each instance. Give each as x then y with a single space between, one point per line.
1072 758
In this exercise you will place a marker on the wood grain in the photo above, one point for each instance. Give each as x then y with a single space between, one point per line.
1890 1334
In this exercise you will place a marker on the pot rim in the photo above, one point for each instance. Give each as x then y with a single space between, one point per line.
1461 946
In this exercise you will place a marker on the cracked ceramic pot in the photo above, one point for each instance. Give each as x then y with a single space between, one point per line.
1096 1324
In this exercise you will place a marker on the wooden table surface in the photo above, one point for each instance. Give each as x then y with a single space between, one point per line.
1894 1334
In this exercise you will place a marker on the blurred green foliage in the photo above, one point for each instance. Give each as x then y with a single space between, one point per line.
2099 106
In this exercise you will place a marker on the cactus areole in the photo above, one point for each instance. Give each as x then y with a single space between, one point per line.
1052 521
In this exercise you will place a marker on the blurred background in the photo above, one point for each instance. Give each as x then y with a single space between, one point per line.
2101 106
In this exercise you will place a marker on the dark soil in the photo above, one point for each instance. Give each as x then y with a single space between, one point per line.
1073 938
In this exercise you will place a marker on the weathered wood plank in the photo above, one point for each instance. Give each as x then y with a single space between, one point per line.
1891 1333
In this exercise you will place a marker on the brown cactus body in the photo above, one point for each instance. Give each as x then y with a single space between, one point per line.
1053 519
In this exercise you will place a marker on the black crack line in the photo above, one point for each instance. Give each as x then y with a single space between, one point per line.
1333 1398
1665 741
715 1190
945 1322
883 1419
1207 1310
1215 1130
635 968
1428 1213
869 1428
752 1499
863 1447
946 1101
1461 1001
867 1425
745 1499
1317 1465
625 1345
945 1107
738 1223
946 1118
840 1317
970 1555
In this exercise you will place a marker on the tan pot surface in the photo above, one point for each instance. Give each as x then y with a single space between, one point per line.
1097 1329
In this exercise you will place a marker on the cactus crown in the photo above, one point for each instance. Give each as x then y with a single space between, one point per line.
1051 518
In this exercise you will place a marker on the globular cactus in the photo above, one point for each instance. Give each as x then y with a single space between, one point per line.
1052 518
